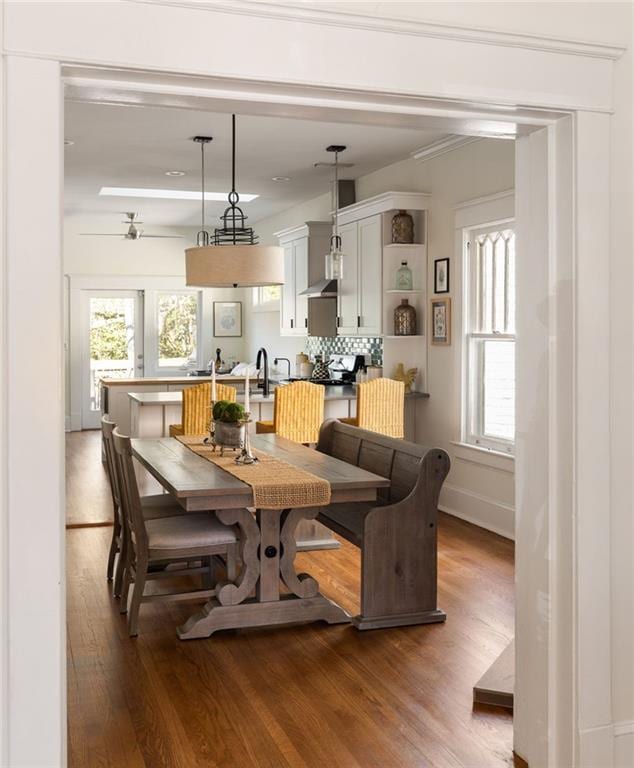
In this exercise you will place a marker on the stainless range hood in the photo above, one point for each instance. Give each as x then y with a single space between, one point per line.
323 289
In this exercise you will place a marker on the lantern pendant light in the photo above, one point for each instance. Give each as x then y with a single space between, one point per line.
235 259
334 258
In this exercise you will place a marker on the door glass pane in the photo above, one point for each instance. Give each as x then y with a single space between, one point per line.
111 342
499 389
177 328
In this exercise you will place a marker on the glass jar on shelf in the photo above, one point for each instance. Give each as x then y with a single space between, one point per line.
404 280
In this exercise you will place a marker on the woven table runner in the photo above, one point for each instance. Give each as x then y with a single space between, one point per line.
276 483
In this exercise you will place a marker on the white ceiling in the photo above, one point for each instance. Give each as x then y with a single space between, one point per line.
122 146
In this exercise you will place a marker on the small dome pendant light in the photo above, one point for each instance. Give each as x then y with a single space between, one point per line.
235 259
334 258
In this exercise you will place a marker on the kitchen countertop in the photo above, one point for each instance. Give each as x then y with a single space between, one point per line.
109 382
333 392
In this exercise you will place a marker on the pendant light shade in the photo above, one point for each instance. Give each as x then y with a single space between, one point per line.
237 266
234 259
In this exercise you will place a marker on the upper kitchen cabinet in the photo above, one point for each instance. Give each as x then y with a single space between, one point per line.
365 297
304 247
359 290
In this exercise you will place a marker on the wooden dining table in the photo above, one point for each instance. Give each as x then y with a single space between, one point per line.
267 537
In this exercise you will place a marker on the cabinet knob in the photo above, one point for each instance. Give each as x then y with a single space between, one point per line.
358 320
291 323
305 322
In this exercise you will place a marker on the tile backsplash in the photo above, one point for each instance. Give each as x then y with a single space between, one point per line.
346 345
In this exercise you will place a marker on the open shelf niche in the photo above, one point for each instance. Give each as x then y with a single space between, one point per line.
409 350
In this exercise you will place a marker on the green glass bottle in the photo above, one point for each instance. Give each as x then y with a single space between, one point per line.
404 278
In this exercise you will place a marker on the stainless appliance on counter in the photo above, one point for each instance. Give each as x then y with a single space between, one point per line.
342 369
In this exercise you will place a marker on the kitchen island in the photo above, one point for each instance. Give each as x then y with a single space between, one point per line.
114 392
151 413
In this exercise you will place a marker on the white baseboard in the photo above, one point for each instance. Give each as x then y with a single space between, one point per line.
75 422
607 746
596 747
624 744
479 510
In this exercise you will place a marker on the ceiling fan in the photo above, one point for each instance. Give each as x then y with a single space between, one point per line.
133 232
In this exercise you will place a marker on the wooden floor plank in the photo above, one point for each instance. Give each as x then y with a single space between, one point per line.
291 697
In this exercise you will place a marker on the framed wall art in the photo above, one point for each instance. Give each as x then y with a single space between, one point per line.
441 321
441 276
227 318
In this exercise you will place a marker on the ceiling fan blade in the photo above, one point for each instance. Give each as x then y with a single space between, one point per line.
102 234
169 237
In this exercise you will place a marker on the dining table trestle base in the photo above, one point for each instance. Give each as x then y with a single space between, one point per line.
252 613
403 620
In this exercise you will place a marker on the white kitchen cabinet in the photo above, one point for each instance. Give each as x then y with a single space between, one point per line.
360 288
287 297
370 276
347 298
304 251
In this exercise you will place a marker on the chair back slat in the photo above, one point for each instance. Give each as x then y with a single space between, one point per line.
196 408
298 411
132 508
107 427
381 406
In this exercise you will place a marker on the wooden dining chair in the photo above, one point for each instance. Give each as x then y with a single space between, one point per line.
196 408
181 538
298 412
154 506
380 407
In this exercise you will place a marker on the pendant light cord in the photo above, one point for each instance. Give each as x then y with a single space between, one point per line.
336 196
235 197
202 205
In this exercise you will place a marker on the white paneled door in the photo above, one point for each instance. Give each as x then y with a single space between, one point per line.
112 344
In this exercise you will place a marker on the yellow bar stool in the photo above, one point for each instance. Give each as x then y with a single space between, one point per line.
195 414
380 407
298 412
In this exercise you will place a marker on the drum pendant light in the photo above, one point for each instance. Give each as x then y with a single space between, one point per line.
235 259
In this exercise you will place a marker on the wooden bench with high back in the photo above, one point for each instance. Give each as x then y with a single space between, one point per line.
397 534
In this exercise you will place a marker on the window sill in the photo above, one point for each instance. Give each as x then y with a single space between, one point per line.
485 456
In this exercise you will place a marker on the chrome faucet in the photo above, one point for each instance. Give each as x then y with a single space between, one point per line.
263 357
286 360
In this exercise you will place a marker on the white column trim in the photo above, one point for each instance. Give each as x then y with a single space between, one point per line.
33 437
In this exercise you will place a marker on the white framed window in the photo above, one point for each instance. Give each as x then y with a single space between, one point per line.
489 336
266 298
173 330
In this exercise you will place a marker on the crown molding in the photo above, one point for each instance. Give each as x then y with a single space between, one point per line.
442 146
506 193
295 13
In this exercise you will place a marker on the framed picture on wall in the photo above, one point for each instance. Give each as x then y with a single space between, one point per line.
227 318
441 321
441 276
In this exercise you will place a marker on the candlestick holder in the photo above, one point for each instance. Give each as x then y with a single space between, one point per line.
245 456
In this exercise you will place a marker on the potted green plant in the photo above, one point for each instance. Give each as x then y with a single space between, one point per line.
229 424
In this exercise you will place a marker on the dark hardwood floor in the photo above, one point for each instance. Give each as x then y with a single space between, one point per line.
88 499
302 696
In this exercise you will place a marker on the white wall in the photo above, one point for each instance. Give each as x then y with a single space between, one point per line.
473 490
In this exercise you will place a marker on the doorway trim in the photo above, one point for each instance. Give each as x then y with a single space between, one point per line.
557 197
